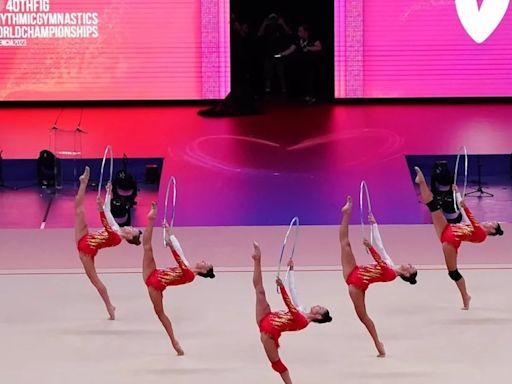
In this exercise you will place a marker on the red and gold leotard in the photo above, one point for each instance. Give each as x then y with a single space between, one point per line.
91 243
162 278
455 234
275 323
362 276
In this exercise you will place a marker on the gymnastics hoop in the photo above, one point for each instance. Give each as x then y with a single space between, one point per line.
363 191
107 149
461 150
294 222
172 181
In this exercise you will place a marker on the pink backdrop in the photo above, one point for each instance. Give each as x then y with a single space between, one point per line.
145 50
419 48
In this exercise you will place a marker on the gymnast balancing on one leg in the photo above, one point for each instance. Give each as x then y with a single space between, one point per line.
159 279
359 278
89 244
452 235
273 324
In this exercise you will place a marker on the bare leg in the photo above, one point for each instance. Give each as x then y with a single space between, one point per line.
148 261
262 306
450 257
90 270
273 355
156 299
440 223
262 309
438 218
80 224
358 297
348 261
148 264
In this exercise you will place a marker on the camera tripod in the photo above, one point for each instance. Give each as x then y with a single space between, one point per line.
479 189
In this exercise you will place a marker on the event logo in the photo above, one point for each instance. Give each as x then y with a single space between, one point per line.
481 22
24 20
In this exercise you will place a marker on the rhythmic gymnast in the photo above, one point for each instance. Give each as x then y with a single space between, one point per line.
158 279
273 324
452 235
358 278
89 244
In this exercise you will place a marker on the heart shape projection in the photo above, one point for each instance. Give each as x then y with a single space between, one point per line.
480 22
275 158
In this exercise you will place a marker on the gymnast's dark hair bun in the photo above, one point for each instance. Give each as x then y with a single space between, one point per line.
326 318
498 231
208 275
135 240
411 279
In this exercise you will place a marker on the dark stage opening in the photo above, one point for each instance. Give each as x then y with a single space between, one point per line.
265 65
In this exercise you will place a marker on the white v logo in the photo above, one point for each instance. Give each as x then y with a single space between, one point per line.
481 23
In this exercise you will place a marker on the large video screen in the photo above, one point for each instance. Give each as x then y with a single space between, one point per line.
423 48
114 49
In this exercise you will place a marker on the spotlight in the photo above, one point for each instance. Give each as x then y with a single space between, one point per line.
124 187
441 182
121 211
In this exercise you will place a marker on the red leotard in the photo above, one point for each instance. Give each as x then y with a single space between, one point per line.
455 234
91 243
275 323
162 278
362 276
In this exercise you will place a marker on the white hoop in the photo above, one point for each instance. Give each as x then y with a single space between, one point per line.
172 181
363 190
461 150
107 149
294 222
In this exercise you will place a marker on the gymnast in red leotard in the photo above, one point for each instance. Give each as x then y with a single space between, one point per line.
89 243
157 280
273 324
359 278
452 235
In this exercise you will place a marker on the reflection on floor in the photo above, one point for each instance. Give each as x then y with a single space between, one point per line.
263 170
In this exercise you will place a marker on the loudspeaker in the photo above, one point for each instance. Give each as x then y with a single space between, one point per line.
47 169
152 175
